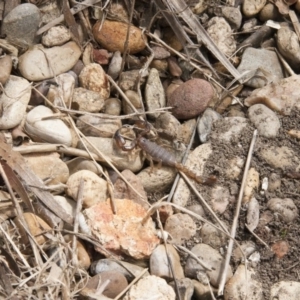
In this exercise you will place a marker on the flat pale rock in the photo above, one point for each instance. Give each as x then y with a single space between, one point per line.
51 130
14 100
86 100
94 189
219 198
112 36
228 128
92 125
212 236
158 287
39 63
285 290
48 166
283 157
244 284
206 122
252 184
122 233
281 96
5 68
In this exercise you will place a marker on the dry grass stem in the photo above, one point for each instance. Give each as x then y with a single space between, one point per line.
236 215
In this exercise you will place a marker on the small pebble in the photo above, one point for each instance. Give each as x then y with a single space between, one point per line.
181 227
94 188
251 8
221 33
206 122
160 265
265 120
191 98
285 208
112 36
93 77
211 258
233 16
288 45
154 93
56 36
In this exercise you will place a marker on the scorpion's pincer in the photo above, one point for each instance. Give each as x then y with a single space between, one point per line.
121 142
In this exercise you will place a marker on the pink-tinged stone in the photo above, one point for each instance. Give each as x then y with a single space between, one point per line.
282 96
122 233
191 98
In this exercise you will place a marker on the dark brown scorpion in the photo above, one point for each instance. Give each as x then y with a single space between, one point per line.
158 153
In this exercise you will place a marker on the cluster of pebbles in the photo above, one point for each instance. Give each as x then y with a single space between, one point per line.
67 88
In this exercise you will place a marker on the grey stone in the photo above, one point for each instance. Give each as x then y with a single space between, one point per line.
265 120
206 122
212 259
21 24
233 16
160 266
265 62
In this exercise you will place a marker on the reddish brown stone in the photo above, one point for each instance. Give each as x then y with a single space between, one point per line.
191 98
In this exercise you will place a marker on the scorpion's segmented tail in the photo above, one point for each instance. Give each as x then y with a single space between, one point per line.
200 179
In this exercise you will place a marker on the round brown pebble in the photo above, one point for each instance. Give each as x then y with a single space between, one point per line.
117 283
112 36
191 98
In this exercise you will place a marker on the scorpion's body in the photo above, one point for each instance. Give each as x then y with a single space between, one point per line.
161 155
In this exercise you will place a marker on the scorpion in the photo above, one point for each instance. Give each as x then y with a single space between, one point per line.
158 153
